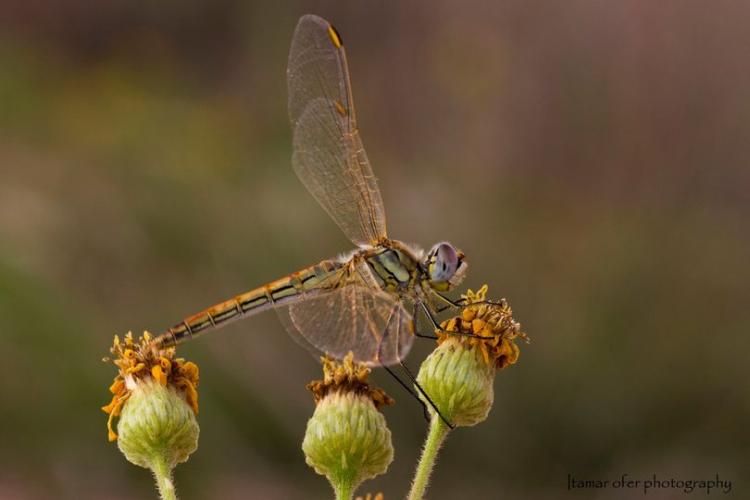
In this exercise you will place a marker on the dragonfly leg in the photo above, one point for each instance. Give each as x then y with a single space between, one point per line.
414 312
462 302
425 336
424 393
429 315
449 303
403 384
413 380
440 329
411 391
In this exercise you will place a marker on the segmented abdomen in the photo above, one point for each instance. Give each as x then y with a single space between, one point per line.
276 293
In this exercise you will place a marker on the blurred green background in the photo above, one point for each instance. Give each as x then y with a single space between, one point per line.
591 159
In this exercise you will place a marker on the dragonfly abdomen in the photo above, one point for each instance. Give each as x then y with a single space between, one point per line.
257 300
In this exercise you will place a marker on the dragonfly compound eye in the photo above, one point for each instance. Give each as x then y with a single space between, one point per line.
442 262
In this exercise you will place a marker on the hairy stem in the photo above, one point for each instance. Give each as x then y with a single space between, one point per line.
163 476
343 488
435 437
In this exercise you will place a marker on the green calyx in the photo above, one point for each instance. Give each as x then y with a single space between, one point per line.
157 428
459 381
347 440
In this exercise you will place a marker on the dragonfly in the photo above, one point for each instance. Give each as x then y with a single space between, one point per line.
365 302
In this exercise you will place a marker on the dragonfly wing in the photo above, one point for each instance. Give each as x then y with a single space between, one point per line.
371 324
328 156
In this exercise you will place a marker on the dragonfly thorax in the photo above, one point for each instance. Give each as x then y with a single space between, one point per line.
394 266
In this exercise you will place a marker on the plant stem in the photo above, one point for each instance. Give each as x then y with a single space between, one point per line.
163 475
435 437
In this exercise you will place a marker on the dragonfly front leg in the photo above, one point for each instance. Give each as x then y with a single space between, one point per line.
440 329
463 302
449 303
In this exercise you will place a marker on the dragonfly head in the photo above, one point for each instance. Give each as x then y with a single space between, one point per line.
445 266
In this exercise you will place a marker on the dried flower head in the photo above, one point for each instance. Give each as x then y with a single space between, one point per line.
459 374
137 363
347 376
486 326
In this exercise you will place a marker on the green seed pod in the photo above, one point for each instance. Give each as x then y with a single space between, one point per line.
157 427
459 381
347 440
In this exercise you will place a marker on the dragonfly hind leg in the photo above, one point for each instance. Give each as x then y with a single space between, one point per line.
414 393
413 380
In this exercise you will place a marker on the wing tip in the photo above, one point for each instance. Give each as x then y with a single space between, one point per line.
333 33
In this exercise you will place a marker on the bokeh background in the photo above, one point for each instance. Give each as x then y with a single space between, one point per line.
591 158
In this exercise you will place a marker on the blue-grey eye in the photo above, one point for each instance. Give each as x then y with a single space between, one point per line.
442 262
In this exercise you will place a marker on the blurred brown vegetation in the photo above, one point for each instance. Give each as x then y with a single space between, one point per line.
591 158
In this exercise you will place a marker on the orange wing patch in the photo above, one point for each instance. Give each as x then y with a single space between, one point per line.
335 37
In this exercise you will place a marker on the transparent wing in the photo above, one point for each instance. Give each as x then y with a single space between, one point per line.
328 156
372 324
